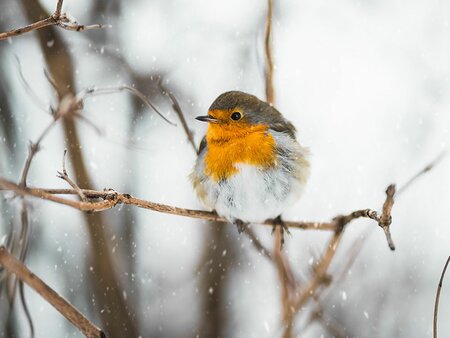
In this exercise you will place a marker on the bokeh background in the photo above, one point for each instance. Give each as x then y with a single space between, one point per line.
366 83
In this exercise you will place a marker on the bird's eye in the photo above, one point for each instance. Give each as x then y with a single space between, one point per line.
236 116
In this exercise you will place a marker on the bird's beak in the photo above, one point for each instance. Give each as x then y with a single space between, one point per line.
207 118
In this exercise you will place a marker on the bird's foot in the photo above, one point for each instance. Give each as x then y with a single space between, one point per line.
279 223
241 225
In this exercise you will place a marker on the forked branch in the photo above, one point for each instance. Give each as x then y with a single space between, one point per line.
56 19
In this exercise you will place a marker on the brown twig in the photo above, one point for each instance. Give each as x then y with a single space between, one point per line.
335 330
58 8
70 105
320 271
63 175
350 257
309 290
257 243
32 150
67 106
57 19
384 221
270 93
425 169
132 90
16 267
177 108
438 294
33 95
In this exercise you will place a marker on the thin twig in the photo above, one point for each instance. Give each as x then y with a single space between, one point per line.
335 330
309 290
63 175
32 150
132 90
385 219
70 105
177 108
16 267
438 295
270 93
58 9
57 19
320 271
67 106
426 169
28 88
257 243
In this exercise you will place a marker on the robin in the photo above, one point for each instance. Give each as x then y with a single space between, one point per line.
250 167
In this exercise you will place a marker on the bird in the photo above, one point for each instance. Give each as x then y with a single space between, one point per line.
250 166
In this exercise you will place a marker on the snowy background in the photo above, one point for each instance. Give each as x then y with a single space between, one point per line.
366 83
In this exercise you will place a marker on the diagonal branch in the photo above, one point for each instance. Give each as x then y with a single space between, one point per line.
177 108
16 267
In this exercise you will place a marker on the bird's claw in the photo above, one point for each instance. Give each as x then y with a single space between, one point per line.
241 225
278 223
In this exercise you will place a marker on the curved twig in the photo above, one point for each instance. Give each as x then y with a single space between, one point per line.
438 294
177 108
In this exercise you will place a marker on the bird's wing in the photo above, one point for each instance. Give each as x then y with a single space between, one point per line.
283 126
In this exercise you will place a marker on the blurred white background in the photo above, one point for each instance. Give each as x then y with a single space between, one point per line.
366 83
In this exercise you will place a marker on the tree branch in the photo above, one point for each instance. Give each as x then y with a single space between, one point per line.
16 267
177 108
110 198
57 19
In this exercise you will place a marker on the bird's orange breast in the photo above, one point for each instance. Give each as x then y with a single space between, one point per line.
229 145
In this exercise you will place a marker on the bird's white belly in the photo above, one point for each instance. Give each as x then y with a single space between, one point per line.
254 194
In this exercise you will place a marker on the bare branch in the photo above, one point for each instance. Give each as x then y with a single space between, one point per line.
110 198
66 106
257 243
270 93
63 175
31 92
16 267
385 220
320 271
177 108
309 290
57 13
132 90
426 169
438 294
33 149
57 19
